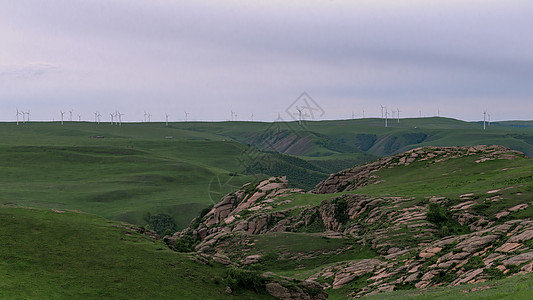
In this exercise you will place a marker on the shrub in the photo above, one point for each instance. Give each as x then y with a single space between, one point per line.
243 279
475 262
184 244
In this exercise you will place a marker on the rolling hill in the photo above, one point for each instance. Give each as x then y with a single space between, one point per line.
126 172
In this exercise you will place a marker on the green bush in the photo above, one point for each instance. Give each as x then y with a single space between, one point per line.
475 262
444 221
160 223
184 244
494 273
243 279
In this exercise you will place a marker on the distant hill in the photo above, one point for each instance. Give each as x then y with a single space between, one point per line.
125 172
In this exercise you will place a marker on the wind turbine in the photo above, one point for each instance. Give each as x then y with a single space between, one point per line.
187 116
398 110
232 113
112 121
79 118
393 114
299 109
70 111
382 107
353 115
166 118
145 114
116 117
484 118
24 116
18 114
489 119
62 114
363 113
119 118
252 117
386 117
97 116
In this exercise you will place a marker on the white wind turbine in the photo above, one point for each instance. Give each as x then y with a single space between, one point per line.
363 113
382 107
97 116
149 115
187 116
119 118
79 118
116 117
484 118
398 114
166 120
112 118
62 114
18 114
299 109
24 118
70 112
145 115
386 117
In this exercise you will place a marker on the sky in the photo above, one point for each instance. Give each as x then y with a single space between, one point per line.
262 60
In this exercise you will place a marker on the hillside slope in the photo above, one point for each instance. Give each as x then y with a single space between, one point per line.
58 254
434 216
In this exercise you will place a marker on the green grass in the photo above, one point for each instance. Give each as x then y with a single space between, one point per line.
50 255
292 254
136 168
515 287
451 178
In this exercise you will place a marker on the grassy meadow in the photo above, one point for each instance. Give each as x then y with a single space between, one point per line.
124 172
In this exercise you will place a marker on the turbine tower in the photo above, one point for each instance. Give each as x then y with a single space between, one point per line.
484 118
386 117
79 118
382 107
24 118
62 114
299 109
18 114
70 111
166 119
187 116
112 121
97 116
119 118
398 114
145 114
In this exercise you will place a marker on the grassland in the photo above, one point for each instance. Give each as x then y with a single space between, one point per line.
180 169
50 255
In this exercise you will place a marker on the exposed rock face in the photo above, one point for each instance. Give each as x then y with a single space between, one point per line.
411 251
310 290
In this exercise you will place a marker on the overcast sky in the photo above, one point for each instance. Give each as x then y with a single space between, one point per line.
257 57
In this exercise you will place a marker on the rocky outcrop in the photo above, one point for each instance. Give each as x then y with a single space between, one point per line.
308 290
408 251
